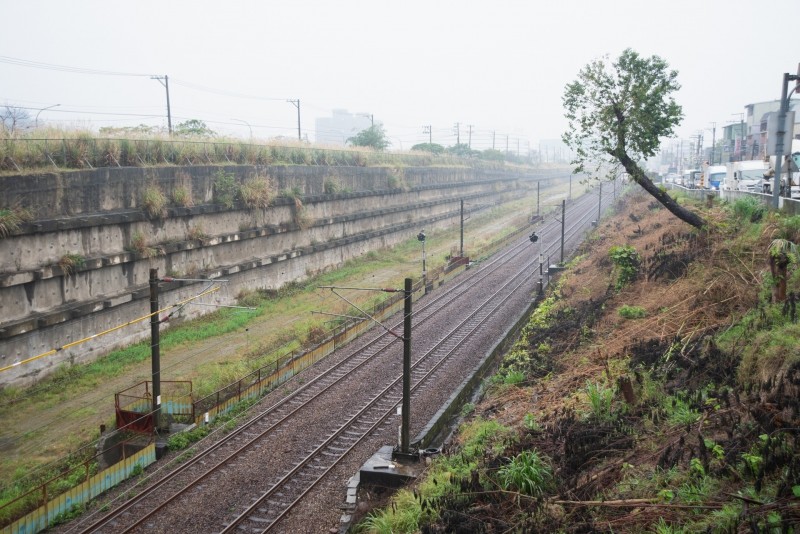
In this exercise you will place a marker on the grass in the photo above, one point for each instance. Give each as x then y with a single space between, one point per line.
154 202
70 263
12 218
181 196
257 193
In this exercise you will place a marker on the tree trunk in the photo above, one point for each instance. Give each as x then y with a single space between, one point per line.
638 175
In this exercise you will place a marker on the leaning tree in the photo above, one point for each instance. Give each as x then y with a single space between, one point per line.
617 112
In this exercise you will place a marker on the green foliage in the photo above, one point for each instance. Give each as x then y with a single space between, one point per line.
627 104
530 423
12 218
193 128
632 312
679 412
600 400
154 203
257 193
182 197
433 148
467 409
139 245
182 440
70 263
769 352
373 137
331 186
748 209
225 189
513 378
529 473
627 262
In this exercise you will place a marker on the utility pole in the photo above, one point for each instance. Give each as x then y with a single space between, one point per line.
518 147
458 133
164 80
600 205
296 103
713 142
569 195
155 349
537 197
563 218
506 144
427 130
405 437
462 228
493 134
779 139
469 143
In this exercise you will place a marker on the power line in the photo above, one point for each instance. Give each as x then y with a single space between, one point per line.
198 87
64 68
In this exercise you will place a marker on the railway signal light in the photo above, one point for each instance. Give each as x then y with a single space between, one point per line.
421 236
534 238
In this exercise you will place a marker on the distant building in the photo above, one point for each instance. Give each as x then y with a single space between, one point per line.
341 126
747 138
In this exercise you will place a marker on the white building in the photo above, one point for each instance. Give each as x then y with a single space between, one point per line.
341 126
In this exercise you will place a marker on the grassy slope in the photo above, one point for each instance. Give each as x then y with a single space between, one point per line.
669 405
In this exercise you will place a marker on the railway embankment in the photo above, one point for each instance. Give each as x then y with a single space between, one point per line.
80 264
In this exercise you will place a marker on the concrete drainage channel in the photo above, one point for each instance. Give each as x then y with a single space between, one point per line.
383 471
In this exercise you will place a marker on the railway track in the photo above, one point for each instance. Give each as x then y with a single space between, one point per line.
287 482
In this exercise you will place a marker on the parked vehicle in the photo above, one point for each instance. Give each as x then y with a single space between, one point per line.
789 169
714 175
692 179
745 176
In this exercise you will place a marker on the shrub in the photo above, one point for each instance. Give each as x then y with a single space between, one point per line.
627 262
196 233
154 203
331 186
182 197
225 189
631 312
256 193
748 209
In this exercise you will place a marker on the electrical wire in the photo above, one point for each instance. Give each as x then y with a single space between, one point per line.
64 68
113 329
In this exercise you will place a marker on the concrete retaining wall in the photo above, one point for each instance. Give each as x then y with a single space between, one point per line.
96 215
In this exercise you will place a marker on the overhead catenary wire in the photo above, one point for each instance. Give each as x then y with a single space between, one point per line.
104 332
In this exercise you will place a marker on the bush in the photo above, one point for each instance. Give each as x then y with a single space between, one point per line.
627 262
256 193
631 312
748 209
225 189
154 203
182 197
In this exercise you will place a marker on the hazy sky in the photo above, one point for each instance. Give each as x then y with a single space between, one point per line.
498 65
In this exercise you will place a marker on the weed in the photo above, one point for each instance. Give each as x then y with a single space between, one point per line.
679 412
600 399
257 193
154 203
295 192
467 409
631 312
70 263
331 186
748 209
528 473
530 423
182 440
182 197
12 218
137 470
140 246
627 262
225 189
196 233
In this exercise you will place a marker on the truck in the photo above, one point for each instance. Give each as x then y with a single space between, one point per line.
714 176
745 175
789 169
692 179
